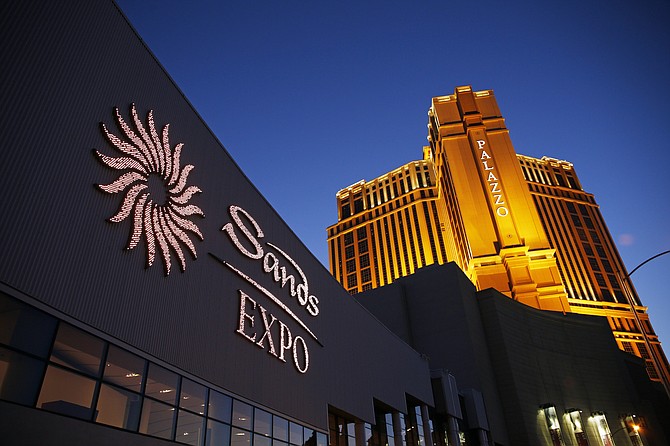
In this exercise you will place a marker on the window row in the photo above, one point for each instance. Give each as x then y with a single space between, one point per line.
51 365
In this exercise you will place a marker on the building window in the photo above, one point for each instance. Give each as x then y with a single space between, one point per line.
20 386
118 407
124 369
628 348
361 233
348 238
77 377
346 210
358 205
66 392
75 349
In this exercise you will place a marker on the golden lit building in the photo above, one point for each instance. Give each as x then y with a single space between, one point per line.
521 225
387 228
594 275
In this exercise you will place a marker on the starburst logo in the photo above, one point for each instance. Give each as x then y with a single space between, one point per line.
154 187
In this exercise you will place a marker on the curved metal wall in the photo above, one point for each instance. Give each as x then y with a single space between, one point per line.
64 69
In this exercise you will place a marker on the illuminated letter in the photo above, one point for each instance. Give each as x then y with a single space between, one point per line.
494 188
244 315
486 166
502 211
491 177
287 278
499 199
285 339
274 267
303 293
481 143
267 331
313 307
233 237
485 156
305 353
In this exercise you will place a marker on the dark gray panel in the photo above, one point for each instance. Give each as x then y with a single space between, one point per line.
64 68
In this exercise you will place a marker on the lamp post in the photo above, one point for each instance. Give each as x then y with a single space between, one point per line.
628 285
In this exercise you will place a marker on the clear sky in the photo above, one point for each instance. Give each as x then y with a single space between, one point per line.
309 97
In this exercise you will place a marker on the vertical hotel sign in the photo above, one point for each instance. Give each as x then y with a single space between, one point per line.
495 192
156 199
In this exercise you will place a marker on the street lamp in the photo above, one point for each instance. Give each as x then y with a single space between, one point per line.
627 283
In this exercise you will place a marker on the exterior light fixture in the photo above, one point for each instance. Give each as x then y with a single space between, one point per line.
575 417
553 423
632 423
603 428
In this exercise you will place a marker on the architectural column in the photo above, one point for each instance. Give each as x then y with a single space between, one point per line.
452 431
427 432
359 429
398 434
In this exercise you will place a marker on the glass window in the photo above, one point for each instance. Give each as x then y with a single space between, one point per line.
262 440
220 406
124 368
358 205
157 419
310 437
295 433
78 350
242 415
262 422
280 428
67 393
346 211
361 233
218 434
20 377
161 384
238 437
118 407
190 428
321 439
25 328
193 396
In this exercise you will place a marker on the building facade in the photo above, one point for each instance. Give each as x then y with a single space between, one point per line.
388 228
594 275
521 225
149 295
541 377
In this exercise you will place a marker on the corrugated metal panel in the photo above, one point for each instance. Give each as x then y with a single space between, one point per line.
64 68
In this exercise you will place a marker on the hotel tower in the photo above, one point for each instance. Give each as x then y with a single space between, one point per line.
521 225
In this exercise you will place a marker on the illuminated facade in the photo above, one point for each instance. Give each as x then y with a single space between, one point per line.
149 295
591 268
521 225
388 228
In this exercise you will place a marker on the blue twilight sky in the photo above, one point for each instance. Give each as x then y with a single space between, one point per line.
310 97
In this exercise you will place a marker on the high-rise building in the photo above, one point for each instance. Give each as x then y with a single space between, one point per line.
521 225
389 227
